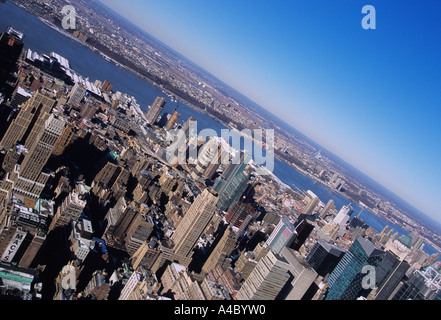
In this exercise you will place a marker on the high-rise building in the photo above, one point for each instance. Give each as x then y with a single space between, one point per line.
81 238
342 218
163 120
122 226
324 257
11 45
13 156
391 272
178 280
155 110
417 242
70 210
140 283
248 260
29 121
20 96
66 138
209 154
266 280
233 168
173 119
343 215
114 214
193 224
111 174
98 287
187 126
327 209
302 232
32 250
107 86
30 181
232 183
23 232
76 94
345 282
138 233
222 251
146 255
240 215
27 179
282 235
301 276
313 201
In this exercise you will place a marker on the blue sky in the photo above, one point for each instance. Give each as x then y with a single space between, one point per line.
373 97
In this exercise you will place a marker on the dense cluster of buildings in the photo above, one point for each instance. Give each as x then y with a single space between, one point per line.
85 169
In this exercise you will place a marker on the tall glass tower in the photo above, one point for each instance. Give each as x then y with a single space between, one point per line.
345 282
232 183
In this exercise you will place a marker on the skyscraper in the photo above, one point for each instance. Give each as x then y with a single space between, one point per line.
266 280
392 270
345 282
343 215
187 127
22 132
312 203
29 121
195 220
209 159
173 119
324 257
155 110
23 232
107 86
66 138
301 276
111 174
302 231
130 217
76 94
138 233
240 215
222 251
30 181
233 182
327 209
71 209
342 218
282 235
424 284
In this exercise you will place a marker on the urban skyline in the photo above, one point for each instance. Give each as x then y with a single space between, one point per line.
314 66
123 44
92 208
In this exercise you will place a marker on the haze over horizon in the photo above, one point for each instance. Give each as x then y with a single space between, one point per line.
368 96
